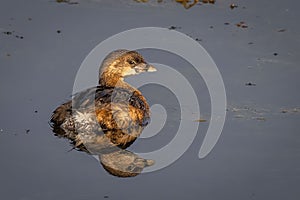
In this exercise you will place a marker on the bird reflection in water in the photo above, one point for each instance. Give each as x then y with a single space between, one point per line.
106 119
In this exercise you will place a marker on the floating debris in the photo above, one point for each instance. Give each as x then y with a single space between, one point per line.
35 111
275 54
58 31
12 34
247 113
29 18
27 131
250 84
197 39
186 4
290 110
226 23
239 116
232 6
20 37
242 25
174 27
7 32
8 55
201 120
260 118
211 27
250 43
106 197
67 1
209 1
281 30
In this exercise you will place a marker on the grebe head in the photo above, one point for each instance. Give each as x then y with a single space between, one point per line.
121 63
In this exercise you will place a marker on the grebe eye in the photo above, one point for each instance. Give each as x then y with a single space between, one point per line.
132 62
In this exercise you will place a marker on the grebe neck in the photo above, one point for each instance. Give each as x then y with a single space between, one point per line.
109 80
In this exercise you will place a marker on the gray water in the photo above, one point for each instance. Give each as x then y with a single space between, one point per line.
258 153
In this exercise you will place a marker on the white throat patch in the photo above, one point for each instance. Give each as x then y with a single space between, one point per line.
130 72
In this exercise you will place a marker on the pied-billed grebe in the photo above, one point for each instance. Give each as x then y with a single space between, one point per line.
114 107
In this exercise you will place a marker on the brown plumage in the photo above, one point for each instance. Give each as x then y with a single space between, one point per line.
113 110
